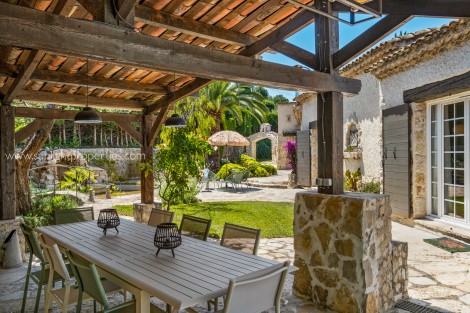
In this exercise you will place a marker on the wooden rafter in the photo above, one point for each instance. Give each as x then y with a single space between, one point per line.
369 38
57 114
295 53
126 8
29 129
95 82
102 10
79 100
191 27
100 41
131 131
64 7
35 56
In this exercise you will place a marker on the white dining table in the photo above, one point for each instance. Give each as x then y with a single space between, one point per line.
200 270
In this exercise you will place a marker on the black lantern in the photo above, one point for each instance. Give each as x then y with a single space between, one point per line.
167 237
175 121
108 218
87 116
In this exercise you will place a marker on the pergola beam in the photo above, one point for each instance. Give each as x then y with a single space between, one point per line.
29 129
32 28
35 56
369 38
429 8
57 114
298 54
191 27
131 131
64 7
79 100
95 82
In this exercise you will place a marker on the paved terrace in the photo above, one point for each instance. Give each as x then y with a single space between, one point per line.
436 277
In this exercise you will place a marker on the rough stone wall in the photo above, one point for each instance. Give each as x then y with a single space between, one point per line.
343 251
6 227
400 270
418 156
127 159
253 139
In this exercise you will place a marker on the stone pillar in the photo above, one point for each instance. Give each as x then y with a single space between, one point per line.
142 211
5 228
418 159
343 251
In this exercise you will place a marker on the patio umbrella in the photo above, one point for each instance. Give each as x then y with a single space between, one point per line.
228 138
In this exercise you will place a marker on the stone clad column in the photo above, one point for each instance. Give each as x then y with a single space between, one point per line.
343 251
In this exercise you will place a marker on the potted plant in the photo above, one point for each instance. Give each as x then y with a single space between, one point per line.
291 150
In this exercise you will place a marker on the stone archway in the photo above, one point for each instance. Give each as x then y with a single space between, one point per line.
251 150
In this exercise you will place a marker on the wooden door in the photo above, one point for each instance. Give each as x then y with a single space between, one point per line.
303 158
396 158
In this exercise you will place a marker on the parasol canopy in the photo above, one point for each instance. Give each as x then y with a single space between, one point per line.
228 138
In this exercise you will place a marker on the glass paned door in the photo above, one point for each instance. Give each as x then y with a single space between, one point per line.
448 155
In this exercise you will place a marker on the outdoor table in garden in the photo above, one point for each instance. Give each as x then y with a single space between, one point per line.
200 270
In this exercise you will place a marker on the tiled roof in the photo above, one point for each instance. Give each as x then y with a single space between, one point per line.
404 52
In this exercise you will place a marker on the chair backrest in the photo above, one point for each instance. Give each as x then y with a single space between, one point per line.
246 174
32 242
241 238
238 176
195 227
256 293
54 257
159 216
73 215
88 278
212 176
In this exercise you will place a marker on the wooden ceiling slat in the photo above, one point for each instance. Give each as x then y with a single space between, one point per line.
257 16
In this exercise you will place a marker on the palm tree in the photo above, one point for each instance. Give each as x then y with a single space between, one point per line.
229 104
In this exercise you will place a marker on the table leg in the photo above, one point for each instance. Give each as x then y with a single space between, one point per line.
142 299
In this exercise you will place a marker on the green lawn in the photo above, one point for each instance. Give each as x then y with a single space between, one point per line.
275 219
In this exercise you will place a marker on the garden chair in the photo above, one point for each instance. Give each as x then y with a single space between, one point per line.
238 238
160 216
73 215
246 175
235 179
195 227
255 293
90 283
39 276
209 176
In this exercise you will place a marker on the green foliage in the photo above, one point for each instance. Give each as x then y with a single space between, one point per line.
263 150
228 169
44 207
177 163
271 169
78 178
109 165
248 161
370 187
257 214
259 172
352 180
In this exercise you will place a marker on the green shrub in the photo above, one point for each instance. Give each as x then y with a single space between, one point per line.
228 169
248 162
44 208
352 180
370 187
259 172
271 169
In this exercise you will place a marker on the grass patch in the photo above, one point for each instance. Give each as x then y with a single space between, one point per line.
275 219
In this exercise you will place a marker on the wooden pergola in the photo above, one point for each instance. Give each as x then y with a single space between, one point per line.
142 55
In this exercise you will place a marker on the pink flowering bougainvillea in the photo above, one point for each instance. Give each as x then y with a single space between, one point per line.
291 151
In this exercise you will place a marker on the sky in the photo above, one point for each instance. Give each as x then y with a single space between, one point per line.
306 40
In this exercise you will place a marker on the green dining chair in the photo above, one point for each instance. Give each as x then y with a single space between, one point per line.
89 282
73 215
38 276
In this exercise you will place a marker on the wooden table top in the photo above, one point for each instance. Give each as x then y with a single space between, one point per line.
200 271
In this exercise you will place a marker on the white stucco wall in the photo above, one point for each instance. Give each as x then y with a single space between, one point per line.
443 66
286 118
309 112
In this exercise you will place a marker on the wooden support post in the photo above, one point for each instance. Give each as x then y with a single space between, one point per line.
329 106
146 178
7 163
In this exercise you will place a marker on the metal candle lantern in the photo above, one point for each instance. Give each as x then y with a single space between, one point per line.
108 218
167 237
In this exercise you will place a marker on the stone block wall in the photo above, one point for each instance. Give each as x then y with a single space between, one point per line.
400 270
343 251
418 155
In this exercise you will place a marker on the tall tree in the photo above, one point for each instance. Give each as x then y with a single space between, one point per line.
23 164
229 103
